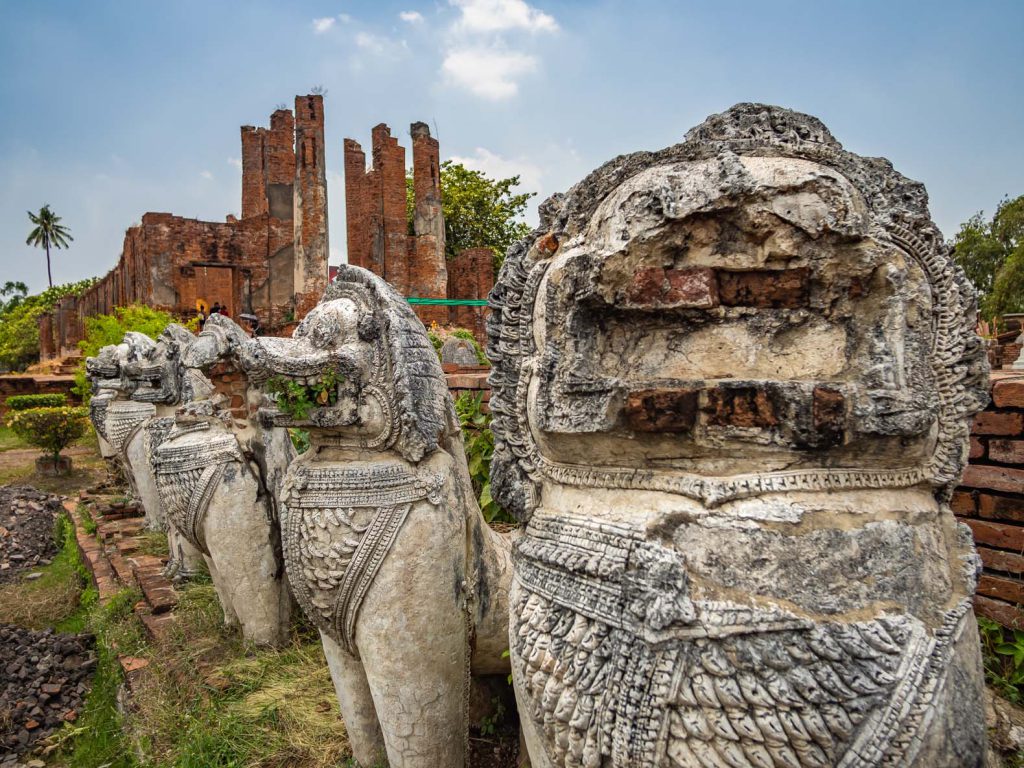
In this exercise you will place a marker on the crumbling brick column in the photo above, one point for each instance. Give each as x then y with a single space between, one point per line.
254 180
310 212
428 275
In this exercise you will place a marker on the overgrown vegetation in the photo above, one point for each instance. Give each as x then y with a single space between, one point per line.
479 442
104 330
19 320
1003 654
992 255
296 399
478 211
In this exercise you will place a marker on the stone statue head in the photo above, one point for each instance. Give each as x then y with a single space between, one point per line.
154 369
753 310
383 373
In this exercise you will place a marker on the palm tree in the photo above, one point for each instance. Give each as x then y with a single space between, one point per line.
48 232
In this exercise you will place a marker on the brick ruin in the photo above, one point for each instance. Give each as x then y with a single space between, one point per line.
378 228
272 262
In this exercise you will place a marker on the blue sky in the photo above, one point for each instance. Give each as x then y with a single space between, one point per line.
111 109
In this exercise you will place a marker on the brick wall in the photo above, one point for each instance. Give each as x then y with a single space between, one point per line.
268 263
991 500
471 276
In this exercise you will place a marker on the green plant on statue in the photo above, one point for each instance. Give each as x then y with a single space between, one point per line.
296 399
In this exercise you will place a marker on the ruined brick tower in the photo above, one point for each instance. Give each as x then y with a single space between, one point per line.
311 249
271 263
377 216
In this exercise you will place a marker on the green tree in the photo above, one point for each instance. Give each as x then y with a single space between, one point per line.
19 321
17 291
478 211
48 232
992 256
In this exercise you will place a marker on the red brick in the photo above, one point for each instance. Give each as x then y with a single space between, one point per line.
1008 393
777 288
963 503
1000 535
828 408
998 423
740 407
661 410
1004 479
1006 614
1001 507
1011 590
673 288
997 560
977 448
1006 451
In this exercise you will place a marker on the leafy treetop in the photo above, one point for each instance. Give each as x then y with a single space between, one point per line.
48 233
992 255
478 211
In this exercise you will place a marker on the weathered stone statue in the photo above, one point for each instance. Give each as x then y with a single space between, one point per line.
384 543
214 493
732 387
139 383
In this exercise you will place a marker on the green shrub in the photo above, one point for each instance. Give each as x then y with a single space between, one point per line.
52 429
24 402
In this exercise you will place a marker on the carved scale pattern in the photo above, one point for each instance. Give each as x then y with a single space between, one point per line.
188 474
98 414
723 686
123 419
338 525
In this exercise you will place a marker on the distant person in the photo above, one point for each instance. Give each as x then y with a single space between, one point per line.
224 310
215 309
201 317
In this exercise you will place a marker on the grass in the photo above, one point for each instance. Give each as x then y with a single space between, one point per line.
208 701
54 597
9 440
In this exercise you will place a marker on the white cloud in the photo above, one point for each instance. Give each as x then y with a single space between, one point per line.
235 161
322 25
412 17
487 72
344 18
370 42
497 167
206 175
502 15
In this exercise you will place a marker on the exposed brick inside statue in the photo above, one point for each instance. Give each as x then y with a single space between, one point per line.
661 410
767 288
828 410
748 407
673 288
